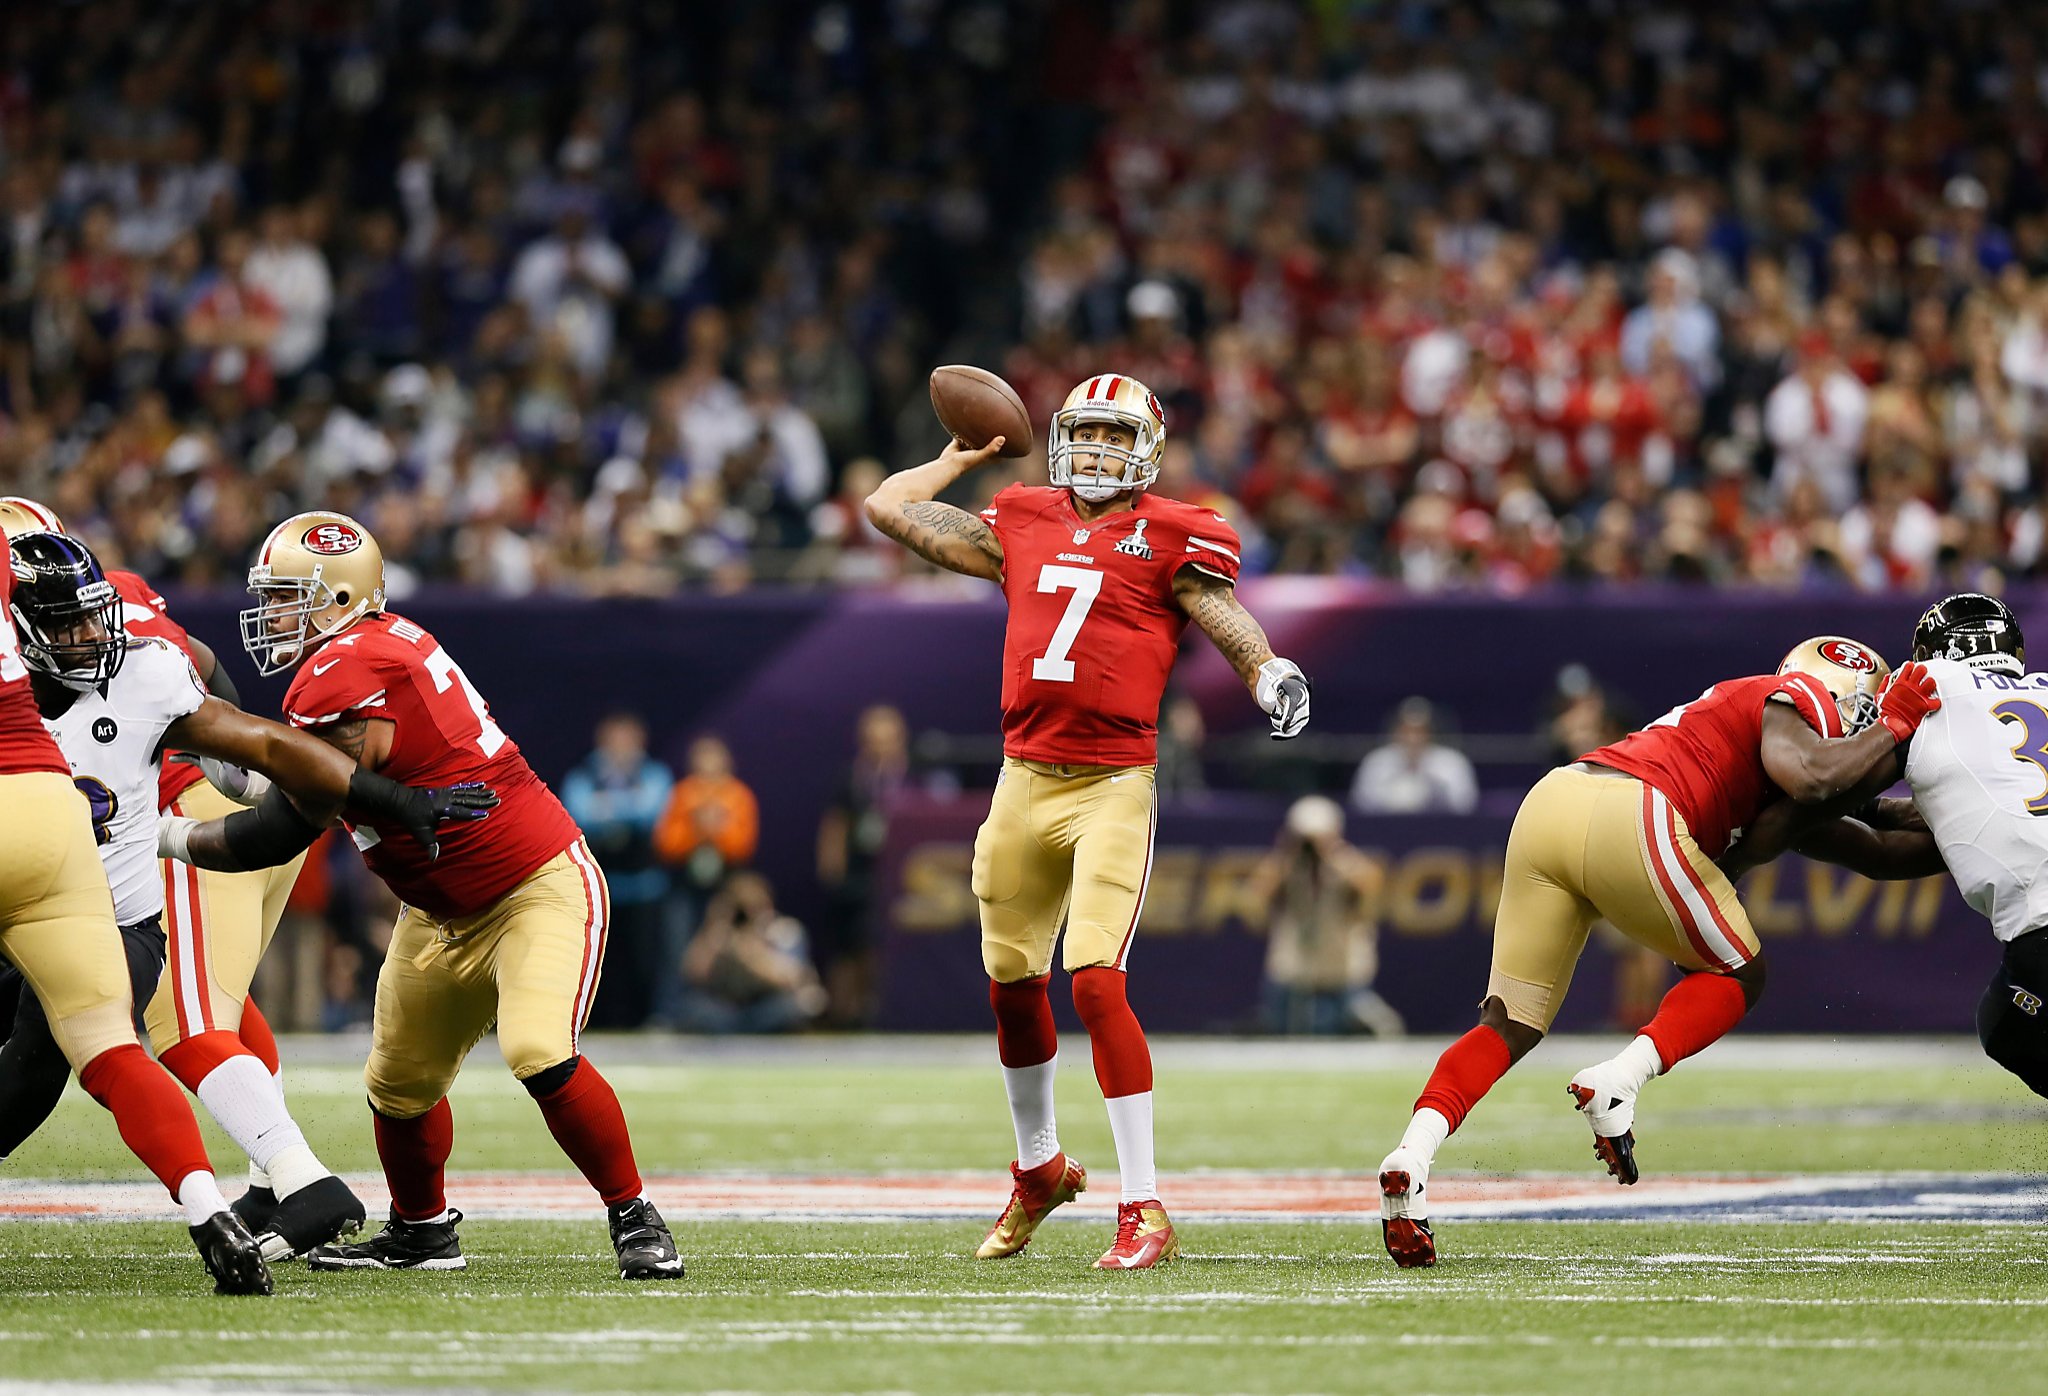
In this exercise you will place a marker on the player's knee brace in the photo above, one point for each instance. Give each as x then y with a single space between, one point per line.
551 1079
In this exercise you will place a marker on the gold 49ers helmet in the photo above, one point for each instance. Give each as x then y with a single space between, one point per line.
20 514
317 575
1108 469
1849 669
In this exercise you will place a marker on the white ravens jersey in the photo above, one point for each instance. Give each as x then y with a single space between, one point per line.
1979 772
112 741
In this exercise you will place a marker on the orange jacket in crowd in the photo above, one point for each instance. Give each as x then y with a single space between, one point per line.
715 810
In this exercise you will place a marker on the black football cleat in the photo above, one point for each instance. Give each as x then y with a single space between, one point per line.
645 1248
1619 1154
231 1254
313 1216
256 1207
401 1245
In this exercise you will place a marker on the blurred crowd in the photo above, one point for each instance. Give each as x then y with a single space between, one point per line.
623 298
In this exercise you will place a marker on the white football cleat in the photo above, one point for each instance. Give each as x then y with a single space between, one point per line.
1606 1097
1404 1209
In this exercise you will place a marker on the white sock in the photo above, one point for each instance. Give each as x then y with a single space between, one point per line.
245 1099
258 1177
1031 1111
199 1195
1426 1133
1640 1060
1130 1121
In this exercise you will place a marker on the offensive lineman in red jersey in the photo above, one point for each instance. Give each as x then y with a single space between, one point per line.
1630 832
217 924
57 927
1101 578
505 926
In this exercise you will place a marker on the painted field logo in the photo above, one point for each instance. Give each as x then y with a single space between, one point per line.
332 539
1849 656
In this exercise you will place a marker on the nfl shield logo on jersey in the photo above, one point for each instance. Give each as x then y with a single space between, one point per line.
1136 545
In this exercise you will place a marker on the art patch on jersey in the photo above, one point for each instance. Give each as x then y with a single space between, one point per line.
104 730
1136 545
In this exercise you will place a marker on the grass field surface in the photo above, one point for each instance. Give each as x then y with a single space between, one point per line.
1907 1261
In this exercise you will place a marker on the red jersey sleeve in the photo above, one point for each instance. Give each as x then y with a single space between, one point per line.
1213 546
144 612
1810 698
334 686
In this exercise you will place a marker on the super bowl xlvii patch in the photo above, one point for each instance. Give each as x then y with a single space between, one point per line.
1136 545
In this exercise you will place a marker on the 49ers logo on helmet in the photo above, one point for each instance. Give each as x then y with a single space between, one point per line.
1848 656
331 539
1152 402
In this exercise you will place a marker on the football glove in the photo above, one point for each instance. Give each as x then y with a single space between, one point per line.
1283 693
1907 700
245 787
420 810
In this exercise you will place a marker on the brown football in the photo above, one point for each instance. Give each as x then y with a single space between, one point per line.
977 407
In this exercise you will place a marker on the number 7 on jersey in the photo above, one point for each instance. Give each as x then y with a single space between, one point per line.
1053 666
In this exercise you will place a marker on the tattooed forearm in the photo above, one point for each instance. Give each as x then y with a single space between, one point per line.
950 537
1213 605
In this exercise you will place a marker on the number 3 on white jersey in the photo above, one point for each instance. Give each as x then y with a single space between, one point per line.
447 674
1053 666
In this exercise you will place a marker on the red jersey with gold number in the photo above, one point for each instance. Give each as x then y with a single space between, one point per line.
145 613
25 744
1706 756
1093 625
387 667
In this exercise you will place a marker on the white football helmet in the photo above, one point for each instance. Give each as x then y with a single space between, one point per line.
1123 401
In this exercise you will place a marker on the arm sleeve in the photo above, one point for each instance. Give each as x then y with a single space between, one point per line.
1213 547
269 835
1810 698
334 688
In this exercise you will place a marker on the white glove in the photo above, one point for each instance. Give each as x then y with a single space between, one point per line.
244 787
174 837
1283 693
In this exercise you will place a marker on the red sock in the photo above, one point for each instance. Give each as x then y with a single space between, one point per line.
584 1116
257 1036
1465 1072
415 1156
150 1111
194 1058
1025 1035
1123 1063
1699 1011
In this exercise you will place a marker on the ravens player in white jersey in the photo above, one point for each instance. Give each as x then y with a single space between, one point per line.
113 702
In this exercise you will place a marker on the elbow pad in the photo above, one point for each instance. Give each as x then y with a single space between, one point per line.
272 833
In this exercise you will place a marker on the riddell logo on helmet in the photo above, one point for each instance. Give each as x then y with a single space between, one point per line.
1848 656
329 539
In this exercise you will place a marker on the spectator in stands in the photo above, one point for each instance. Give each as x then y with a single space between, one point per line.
1414 773
851 838
711 825
617 795
748 967
1322 933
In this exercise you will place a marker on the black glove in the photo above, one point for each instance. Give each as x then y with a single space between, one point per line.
420 811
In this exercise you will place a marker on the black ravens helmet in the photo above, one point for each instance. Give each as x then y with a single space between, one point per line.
1980 630
67 612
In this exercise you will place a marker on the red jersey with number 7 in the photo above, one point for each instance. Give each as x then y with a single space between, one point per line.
25 744
387 667
1093 625
1706 756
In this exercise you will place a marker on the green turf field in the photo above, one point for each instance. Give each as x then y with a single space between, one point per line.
1674 1306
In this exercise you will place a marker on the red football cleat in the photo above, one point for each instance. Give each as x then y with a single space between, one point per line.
1036 1192
1144 1238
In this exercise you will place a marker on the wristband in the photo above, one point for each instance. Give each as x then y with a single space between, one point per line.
174 837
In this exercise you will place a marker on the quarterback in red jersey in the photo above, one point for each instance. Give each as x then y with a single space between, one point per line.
504 924
57 928
217 925
1630 832
1102 577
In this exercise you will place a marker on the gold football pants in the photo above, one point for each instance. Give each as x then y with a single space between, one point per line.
1586 846
216 927
529 963
57 916
1065 845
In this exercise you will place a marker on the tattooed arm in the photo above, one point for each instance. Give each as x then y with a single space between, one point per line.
1278 685
1212 604
365 740
906 507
